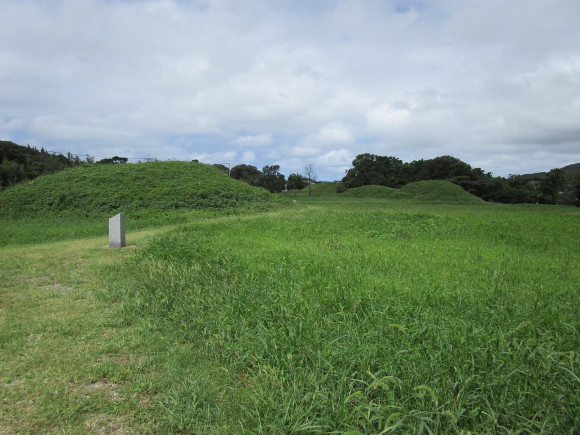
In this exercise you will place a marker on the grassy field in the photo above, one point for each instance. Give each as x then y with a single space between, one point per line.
333 315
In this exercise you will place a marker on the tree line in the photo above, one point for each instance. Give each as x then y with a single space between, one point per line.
20 163
270 177
553 187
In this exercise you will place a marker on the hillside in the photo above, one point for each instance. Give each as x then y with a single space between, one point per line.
432 191
440 192
97 189
570 171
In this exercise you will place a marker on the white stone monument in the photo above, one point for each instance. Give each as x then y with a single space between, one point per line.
117 231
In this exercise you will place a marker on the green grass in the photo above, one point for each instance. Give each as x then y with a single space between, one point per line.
41 229
70 363
65 357
90 190
374 192
336 314
365 317
324 188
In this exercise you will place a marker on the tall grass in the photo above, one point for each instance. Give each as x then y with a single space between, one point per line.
365 317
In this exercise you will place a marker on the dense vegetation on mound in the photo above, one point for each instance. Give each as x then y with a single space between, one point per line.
97 189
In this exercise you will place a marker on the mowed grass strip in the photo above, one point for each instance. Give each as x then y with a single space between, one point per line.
365 317
68 362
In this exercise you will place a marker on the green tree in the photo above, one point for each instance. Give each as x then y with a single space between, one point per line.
113 160
30 162
370 169
272 179
296 182
576 185
443 168
11 173
551 184
248 173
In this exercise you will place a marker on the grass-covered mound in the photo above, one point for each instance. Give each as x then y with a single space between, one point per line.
374 191
98 189
439 191
431 191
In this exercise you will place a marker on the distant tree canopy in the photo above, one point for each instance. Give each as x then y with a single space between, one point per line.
370 169
376 170
248 173
19 163
576 190
272 179
551 185
296 182
269 177
113 160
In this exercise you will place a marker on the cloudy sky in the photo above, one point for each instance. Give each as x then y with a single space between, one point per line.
495 83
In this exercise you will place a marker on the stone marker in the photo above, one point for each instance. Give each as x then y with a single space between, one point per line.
117 231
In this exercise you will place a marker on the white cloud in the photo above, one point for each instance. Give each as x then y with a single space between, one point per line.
486 80
302 151
218 157
248 157
9 125
336 158
331 135
257 140
334 134
385 118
